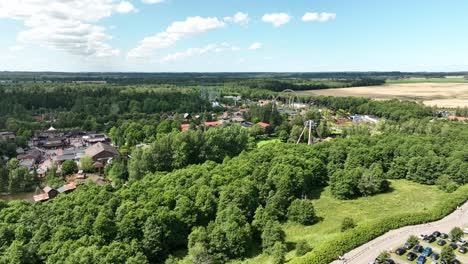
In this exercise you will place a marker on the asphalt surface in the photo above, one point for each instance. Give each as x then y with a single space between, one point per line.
396 238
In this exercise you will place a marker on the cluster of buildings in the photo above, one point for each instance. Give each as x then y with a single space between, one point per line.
52 148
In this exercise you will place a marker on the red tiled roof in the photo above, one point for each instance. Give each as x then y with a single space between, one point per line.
70 186
184 127
458 118
41 197
263 124
212 124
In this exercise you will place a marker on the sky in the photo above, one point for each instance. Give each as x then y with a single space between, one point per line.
233 35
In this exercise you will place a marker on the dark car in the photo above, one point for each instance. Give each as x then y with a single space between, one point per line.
463 250
418 249
430 239
436 234
455 261
435 256
441 242
411 256
453 246
421 260
443 235
400 251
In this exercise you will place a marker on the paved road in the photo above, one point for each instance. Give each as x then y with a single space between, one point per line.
395 238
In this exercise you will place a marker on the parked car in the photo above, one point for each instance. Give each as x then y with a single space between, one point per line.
461 242
443 235
400 251
435 256
430 239
421 236
455 261
427 252
453 246
418 249
463 250
441 242
411 256
421 260
465 230
436 234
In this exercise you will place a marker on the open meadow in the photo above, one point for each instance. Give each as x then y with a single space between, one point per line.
405 197
443 94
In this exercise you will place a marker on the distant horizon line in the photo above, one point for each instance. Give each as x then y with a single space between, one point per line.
242 72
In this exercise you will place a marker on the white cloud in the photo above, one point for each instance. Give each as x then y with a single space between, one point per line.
66 25
125 7
176 31
238 18
153 1
255 46
277 19
199 51
318 17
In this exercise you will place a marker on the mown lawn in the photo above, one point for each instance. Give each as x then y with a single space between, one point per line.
405 197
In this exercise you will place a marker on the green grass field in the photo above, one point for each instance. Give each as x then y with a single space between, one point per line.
427 80
405 197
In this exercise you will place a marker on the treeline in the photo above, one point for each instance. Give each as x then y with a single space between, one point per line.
90 107
15 178
389 109
206 78
461 111
300 85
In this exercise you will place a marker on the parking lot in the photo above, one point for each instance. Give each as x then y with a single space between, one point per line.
428 249
394 239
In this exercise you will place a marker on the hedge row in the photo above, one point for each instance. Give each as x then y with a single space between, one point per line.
351 239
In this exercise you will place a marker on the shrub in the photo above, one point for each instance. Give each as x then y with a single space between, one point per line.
412 240
447 254
456 233
302 248
347 223
302 211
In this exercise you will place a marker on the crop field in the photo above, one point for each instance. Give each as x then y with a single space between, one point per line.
443 94
405 197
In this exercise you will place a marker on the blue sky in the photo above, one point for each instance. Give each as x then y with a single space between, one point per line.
233 35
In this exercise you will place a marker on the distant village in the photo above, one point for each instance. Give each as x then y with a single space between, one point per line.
52 148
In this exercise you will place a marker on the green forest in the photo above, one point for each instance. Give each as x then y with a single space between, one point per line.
209 195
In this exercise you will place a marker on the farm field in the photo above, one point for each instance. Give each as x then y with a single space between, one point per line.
405 197
443 94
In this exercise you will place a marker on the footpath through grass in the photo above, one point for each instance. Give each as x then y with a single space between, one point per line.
405 197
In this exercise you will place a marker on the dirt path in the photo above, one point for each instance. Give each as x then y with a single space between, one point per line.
395 238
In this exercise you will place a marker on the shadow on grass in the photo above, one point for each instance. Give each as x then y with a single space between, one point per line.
315 193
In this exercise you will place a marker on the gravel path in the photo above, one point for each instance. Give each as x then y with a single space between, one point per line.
395 238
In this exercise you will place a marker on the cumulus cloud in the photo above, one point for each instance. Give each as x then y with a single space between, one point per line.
125 7
153 1
212 48
238 18
255 46
176 31
66 25
277 19
318 17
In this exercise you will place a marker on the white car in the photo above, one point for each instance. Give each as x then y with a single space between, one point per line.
461 242
465 230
